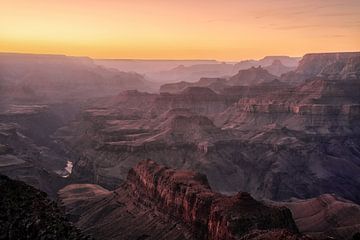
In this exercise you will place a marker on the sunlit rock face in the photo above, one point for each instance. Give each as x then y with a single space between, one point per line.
198 212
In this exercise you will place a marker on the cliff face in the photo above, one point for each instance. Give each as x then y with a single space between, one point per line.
320 105
188 196
277 68
333 66
188 199
118 216
200 100
26 213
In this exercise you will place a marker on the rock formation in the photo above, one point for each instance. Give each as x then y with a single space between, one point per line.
186 196
193 72
251 76
326 216
267 61
248 77
333 66
215 84
277 68
26 213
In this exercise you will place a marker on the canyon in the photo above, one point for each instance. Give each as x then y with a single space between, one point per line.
274 140
261 152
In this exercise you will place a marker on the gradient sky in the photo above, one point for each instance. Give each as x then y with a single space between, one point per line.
181 29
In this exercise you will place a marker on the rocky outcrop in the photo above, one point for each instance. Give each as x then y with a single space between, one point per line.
215 84
175 87
183 195
26 213
332 66
285 60
118 216
277 68
325 216
267 61
188 196
251 76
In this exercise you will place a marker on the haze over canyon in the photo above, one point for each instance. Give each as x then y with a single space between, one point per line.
180 120
258 149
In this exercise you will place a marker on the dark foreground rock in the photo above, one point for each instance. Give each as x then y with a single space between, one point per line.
26 213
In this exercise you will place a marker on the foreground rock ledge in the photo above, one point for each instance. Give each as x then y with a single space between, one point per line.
27 213
155 197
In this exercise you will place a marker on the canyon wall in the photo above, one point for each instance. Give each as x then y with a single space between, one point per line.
184 197
334 66
187 195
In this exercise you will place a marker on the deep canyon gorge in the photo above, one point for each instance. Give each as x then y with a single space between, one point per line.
266 149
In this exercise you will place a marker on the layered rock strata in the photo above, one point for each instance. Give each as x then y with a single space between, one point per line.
184 197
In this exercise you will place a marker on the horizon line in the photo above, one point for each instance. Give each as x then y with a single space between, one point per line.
145 59
167 59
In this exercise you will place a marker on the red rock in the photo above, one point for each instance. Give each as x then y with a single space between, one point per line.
183 196
187 196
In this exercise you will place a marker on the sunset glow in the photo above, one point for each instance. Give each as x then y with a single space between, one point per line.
204 29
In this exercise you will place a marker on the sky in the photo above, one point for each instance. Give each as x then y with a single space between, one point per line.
181 29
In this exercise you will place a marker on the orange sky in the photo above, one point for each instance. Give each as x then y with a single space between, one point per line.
181 29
